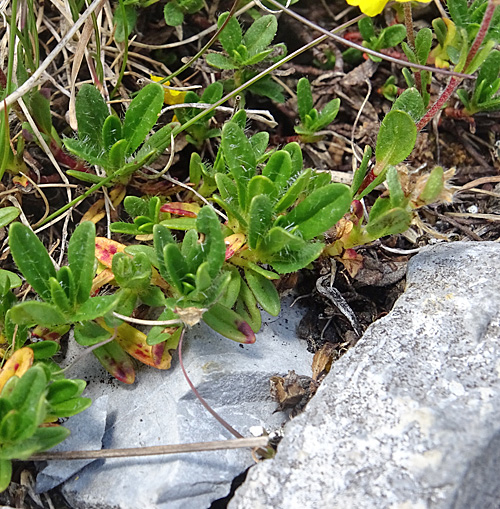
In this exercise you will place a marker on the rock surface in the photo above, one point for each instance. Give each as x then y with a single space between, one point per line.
160 409
409 417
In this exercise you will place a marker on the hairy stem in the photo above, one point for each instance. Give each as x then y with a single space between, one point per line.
455 81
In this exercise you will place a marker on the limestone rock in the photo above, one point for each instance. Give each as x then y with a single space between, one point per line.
408 418
160 409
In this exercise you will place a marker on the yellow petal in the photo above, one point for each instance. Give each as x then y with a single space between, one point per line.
171 96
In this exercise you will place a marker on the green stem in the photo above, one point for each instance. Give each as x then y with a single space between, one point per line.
72 203
198 117
202 50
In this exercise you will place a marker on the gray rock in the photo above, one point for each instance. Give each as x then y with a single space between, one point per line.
409 418
87 430
160 409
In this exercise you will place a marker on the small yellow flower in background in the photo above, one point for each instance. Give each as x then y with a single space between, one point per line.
171 96
374 7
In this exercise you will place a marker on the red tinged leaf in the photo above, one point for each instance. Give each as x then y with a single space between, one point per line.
134 343
181 209
352 261
233 244
116 362
245 329
20 361
50 333
105 249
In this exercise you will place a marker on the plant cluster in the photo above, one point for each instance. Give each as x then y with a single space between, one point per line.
248 216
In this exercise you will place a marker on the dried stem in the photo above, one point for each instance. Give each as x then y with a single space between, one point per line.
154 450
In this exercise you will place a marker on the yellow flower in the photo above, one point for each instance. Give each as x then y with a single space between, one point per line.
171 96
374 7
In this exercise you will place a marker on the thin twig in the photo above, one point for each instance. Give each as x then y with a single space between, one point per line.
155 450
207 407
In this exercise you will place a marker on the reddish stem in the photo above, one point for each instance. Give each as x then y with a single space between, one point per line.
208 408
454 81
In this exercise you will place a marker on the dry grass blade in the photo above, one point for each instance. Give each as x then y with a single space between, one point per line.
238 443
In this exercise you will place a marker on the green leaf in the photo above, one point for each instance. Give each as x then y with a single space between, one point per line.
327 116
44 349
304 98
398 198
265 292
58 296
120 22
219 61
267 87
173 14
67 282
7 215
62 390
142 115
261 185
90 153
433 186
29 389
294 191
240 158
260 219
203 279
232 290
360 173
291 261
279 168
81 259
423 43
91 112
231 36
320 210
157 143
229 324
40 108
161 238
259 142
9 279
135 206
95 307
90 333
179 223
366 29
5 474
246 307
111 131
392 222
32 258
411 102
175 266
227 187
260 34
69 407
37 313
295 152
396 138
213 247
392 36
279 239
